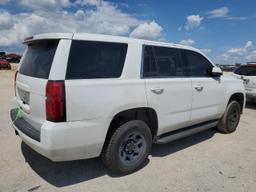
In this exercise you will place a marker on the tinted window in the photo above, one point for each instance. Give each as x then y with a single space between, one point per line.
162 62
88 59
38 59
149 65
246 70
198 65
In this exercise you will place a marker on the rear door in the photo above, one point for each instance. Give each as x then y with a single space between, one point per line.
167 87
32 78
208 92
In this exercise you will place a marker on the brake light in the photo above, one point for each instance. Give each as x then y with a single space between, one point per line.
55 101
15 77
28 38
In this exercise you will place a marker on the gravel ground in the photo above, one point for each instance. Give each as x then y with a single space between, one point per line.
208 161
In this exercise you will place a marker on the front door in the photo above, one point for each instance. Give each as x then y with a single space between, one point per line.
207 91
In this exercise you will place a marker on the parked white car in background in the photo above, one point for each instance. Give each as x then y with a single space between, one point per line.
248 74
84 95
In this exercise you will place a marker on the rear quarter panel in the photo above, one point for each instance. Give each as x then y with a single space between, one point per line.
96 102
102 98
90 99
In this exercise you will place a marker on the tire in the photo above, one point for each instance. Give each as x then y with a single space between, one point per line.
230 120
128 147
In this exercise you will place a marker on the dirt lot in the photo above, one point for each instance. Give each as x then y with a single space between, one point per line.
208 161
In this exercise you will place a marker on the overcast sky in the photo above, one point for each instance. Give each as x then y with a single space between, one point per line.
223 29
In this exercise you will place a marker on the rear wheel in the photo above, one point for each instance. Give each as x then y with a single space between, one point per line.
231 118
128 147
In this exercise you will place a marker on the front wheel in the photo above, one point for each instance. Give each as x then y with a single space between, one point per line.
231 118
128 147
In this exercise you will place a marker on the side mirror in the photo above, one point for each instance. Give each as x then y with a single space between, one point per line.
216 72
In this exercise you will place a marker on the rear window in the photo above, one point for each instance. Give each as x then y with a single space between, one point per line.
246 70
38 59
89 59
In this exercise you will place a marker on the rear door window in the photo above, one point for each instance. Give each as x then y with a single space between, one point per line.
90 59
149 64
162 62
168 62
38 59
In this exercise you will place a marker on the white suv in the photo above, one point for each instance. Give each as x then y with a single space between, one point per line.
80 96
248 74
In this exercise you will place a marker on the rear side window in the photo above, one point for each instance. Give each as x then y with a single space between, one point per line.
89 59
38 59
246 70
162 62
199 66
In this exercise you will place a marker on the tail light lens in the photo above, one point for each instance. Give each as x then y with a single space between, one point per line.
15 77
55 101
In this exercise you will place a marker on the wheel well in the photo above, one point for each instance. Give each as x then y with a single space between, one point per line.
148 115
239 97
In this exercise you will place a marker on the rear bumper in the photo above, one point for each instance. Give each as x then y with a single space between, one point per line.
24 126
63 141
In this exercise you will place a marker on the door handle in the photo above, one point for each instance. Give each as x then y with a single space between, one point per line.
199 87
157 90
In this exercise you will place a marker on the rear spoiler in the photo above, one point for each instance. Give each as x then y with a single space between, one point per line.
48 36
28 39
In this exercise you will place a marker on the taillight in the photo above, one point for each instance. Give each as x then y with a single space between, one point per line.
55 101
15 77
